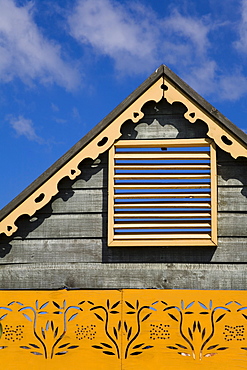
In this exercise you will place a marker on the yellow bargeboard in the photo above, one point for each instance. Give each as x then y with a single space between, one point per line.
123 329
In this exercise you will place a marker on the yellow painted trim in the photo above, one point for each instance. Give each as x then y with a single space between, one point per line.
215 131
123 329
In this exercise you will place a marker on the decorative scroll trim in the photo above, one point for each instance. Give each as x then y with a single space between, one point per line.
222 137
98 145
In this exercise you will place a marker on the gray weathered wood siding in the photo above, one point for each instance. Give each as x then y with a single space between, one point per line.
64 244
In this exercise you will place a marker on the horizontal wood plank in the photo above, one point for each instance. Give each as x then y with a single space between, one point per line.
117 276
230 249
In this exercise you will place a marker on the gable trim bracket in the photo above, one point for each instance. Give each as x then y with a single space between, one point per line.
103 136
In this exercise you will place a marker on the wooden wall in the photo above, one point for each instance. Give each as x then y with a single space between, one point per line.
64 244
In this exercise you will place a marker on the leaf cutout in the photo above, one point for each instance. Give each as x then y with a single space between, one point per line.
220 317
21 304
43 332
115 332
106 345
63 345
199 326
135 353
210 354
10 304
183 354
147 347
37 304
245 348
73 347
212 347
27 317
181 346
138 345
210 304
55 332
130 312
164 303
155 302
188 313
61 353
125 326
43 305
57 312
1 330
182 304
190 333
171 347
73 316
2 317
109 353
194 326
115 305
189 305
245 316
33 345
98 317
2 347
137 304
97 347
203 333
52 326
146 317
228 303
64 304
114 312
47 325
129 333
91 303
25 347
119 325
42 312
173 317
202 305
56 305
81 302
37 353
204 313
108 304
222 348
130 305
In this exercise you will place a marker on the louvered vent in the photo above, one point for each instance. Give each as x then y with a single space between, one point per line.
162 192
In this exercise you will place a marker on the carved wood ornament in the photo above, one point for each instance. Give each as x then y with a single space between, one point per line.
162 88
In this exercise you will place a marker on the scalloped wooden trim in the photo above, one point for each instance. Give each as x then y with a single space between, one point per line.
98 145
215 131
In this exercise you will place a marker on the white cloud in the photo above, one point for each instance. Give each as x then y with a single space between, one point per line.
184 30
241 44
128 35
24 127
136 39
25 53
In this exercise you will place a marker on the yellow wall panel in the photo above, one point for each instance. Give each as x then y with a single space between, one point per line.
123 329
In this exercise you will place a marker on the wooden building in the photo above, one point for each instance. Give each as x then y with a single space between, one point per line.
140 232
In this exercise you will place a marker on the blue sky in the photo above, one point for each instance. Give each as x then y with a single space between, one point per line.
64 65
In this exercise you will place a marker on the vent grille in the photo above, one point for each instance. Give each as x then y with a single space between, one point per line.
162 193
